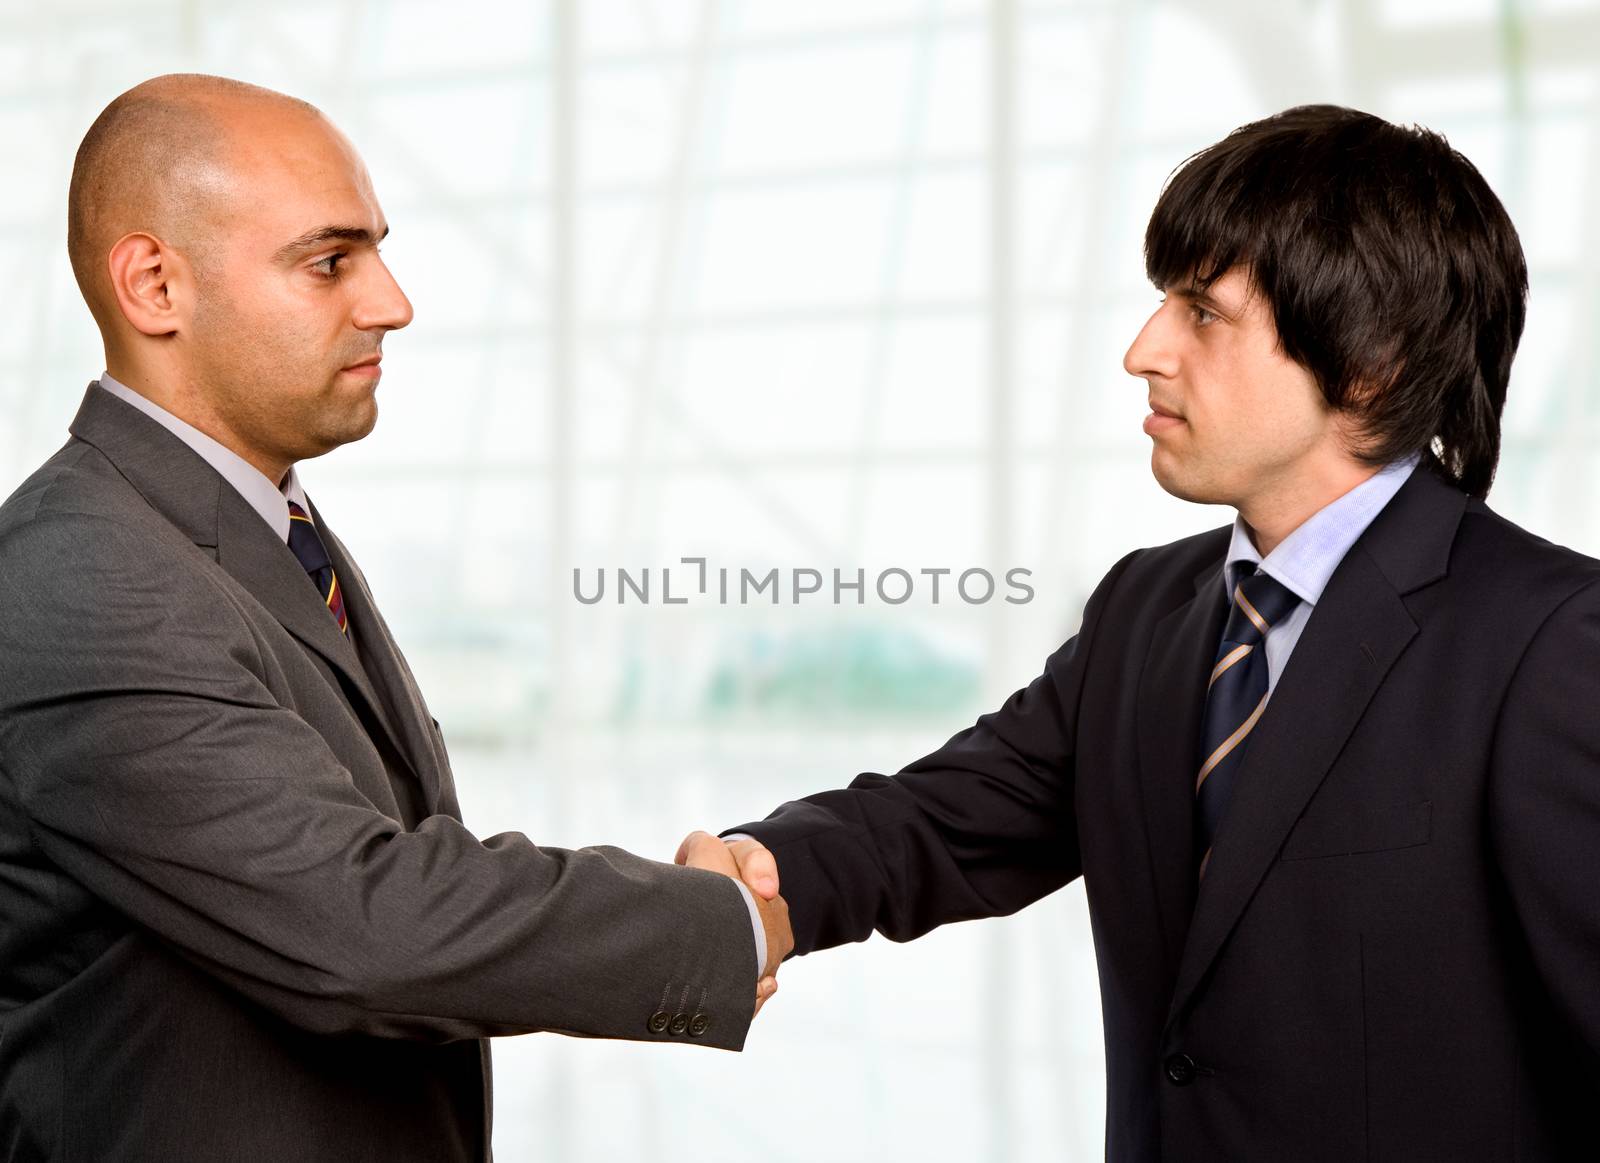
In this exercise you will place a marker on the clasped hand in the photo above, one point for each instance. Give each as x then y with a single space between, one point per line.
750 862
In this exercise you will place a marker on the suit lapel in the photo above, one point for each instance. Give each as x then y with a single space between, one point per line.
1182 652
1354 636
249 550
386 667
182 487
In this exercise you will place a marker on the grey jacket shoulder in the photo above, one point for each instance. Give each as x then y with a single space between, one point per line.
64 482
77 480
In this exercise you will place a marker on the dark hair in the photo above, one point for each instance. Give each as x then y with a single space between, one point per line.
1393 273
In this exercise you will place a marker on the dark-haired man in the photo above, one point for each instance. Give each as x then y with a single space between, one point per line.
240 915
1331 775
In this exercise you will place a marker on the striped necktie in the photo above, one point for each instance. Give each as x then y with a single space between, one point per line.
1235 697
307 545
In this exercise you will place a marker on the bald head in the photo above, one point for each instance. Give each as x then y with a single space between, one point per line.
160 159
226 238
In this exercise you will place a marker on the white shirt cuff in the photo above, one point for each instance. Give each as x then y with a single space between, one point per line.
761 930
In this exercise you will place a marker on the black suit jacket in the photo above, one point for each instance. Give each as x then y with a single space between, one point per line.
1395 953
240 917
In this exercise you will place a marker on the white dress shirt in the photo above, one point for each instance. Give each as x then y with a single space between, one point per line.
265 497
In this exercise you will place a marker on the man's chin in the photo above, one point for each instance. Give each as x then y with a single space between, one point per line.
1179 484
361 417
368 422
357 425
361 430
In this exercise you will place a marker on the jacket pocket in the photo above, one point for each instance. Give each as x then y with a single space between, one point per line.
1374 828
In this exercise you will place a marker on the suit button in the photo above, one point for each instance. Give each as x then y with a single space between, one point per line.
680 1023
1180 1069
658 1022
698 1025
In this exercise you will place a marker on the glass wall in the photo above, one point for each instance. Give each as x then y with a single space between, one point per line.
835 286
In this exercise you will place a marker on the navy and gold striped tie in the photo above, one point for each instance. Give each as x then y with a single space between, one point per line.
1235 698
306 544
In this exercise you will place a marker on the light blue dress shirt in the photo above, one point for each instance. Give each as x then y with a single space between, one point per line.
272 502
1306 559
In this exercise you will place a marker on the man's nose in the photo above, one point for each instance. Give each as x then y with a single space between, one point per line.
1151 353
383 304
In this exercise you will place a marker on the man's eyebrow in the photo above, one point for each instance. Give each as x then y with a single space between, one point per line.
322 235
1196 294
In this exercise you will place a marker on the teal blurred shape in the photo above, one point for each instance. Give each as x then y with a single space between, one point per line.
838 672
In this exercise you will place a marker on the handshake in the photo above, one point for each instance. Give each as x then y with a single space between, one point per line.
748 861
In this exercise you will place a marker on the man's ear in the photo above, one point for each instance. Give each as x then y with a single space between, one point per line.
152 283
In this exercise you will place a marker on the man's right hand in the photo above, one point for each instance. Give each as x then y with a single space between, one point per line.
749 861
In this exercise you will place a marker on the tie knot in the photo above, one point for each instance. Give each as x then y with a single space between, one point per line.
1260 602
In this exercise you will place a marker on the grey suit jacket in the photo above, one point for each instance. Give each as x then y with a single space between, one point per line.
240 917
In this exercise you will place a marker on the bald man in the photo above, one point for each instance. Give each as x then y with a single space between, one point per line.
240 916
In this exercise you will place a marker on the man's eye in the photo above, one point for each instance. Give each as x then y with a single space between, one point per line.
328 266
1201 315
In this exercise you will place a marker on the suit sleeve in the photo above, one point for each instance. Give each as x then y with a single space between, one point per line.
979 828
1544 808
154 767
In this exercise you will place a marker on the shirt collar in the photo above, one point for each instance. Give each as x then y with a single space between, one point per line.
249 482
1306 559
